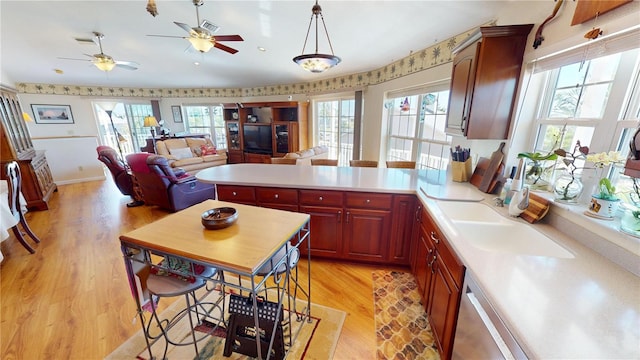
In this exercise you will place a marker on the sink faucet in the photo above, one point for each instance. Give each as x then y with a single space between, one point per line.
519 202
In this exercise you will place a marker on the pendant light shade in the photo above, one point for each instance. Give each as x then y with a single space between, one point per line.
317 63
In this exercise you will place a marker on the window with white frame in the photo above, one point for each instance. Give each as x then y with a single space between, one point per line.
206 119
592 97
334 128
416 127
124 130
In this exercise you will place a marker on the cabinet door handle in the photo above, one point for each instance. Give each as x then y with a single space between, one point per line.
320 198
367 201
234 193
434 238
431 264
339 216
348 213
276 196
418 213
463 123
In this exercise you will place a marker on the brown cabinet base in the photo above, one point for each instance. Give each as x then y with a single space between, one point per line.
353 226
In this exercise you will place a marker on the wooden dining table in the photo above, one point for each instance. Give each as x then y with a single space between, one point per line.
243 248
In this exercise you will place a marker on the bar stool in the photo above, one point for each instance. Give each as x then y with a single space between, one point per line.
325 162
166 283
283 161
401 164
363 163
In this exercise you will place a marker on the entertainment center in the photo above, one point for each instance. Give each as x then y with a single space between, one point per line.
257 132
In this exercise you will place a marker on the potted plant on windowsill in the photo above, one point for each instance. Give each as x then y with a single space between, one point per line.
537 168
568 186
605 202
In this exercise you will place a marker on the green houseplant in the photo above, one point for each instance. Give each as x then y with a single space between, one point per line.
607 190
537 165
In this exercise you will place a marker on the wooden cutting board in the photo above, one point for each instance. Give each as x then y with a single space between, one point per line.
538 208
478 172
492 168
497 179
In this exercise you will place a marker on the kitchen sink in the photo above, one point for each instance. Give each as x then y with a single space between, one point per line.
470 211
485 229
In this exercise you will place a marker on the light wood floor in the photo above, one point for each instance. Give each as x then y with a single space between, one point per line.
71 300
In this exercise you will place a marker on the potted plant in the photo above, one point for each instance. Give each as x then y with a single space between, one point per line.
568 186
604 201
536 167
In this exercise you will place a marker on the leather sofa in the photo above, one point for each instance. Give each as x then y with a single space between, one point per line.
304 157
187 153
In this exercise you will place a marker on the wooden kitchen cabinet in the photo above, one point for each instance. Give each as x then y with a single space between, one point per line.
238 194
358 226
367 226
402 229
444 300
326 210
439 275
484 81
277 198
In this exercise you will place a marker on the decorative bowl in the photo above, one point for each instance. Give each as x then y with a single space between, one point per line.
219 218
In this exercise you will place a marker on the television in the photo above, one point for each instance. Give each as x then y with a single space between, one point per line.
257 138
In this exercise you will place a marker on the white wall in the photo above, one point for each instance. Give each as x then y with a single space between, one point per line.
558 34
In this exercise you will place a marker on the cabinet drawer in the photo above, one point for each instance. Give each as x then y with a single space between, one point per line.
322 198
451 262
277 196
236 193
369 200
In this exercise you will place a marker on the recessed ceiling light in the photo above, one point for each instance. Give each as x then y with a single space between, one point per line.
58 71
196 63
262 49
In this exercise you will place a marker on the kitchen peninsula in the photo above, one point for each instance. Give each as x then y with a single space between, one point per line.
581 306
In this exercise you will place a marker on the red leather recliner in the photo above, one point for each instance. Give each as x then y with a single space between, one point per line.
162 186
121 176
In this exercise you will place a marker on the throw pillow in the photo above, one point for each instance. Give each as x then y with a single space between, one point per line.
208 150
181 153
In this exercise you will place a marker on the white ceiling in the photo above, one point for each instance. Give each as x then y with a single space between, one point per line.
365 34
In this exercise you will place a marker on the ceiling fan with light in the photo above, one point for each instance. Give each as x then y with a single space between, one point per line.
201 37
103 61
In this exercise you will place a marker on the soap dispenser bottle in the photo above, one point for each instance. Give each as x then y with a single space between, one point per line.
505 194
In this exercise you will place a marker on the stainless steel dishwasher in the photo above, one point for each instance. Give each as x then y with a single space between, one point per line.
480 334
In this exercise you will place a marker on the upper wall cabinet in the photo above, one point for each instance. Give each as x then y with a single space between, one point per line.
484 81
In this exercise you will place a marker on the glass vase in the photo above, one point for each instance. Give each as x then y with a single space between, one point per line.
568 188
630 221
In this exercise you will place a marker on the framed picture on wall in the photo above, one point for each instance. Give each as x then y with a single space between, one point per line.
52 114
177 113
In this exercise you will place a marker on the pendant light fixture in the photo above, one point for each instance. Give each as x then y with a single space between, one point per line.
317 63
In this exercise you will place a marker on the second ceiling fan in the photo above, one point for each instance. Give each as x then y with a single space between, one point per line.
201 36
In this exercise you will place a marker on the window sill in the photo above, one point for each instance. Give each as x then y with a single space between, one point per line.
603 236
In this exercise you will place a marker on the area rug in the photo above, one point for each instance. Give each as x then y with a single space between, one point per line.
402 328
317 339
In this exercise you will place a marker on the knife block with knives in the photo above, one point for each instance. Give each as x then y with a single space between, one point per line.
488 172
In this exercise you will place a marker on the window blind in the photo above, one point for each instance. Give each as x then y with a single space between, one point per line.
612 44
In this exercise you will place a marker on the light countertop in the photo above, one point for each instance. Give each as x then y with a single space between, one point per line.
557 308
